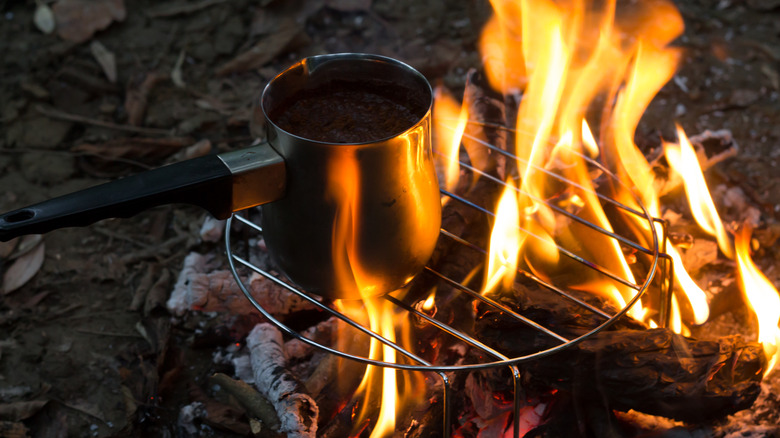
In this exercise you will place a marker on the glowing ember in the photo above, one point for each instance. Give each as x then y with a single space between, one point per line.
761 296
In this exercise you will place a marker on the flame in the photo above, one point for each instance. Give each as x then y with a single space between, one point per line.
568 61
504 243
447 138
381 320
565 57
682 159
761 296
429 302
345 194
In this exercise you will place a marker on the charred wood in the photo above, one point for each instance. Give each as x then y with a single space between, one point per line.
652 371
660 373
532 300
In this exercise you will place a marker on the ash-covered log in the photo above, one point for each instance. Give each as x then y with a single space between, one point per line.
297 412
652 371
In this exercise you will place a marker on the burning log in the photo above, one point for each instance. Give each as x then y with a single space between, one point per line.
660 373
652 371
296 410
488 111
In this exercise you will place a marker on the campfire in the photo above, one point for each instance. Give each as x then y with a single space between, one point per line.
558 301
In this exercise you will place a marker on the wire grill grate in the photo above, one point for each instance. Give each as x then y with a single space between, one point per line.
660 265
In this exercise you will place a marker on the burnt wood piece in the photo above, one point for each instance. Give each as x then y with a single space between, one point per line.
534 301
659 372
652 371
486 111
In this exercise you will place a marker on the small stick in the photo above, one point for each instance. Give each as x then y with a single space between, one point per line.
61 115
297 411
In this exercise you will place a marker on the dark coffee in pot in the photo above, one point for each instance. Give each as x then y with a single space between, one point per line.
350 112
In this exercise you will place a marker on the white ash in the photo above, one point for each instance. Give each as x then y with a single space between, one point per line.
321 333
648 422
189 414
482 398
179 302
243 368
212 229
297 411
237 357
217 291
762 420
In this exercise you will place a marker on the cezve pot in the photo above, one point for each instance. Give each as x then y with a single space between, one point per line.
340 220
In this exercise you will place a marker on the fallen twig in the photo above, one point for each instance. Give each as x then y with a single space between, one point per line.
61 115
170 10
297 411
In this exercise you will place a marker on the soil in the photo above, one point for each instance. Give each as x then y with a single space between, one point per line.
88 339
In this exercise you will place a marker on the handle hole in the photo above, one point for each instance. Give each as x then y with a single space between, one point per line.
19 216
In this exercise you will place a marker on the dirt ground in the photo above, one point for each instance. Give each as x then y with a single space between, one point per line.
87 342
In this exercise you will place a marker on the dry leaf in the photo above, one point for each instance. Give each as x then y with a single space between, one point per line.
6 248
105 58
78 20
264 51
702 253
10 429
18 411
23 269
44 18
26 244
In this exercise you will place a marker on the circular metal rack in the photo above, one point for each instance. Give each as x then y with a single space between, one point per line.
659 265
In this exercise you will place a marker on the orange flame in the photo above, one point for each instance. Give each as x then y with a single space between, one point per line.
448 137
504 243
682 159
761 296
351 274
562 63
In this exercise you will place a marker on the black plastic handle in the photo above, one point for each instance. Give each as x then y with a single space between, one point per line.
204 181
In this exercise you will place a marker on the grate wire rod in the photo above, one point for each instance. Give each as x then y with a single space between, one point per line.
474 343
496 305
590 161
565 251
570 215
533 277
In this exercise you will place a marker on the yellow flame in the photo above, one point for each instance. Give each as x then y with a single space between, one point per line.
504 243
761 296
682 159
449 120
344 184
429 302
564 55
